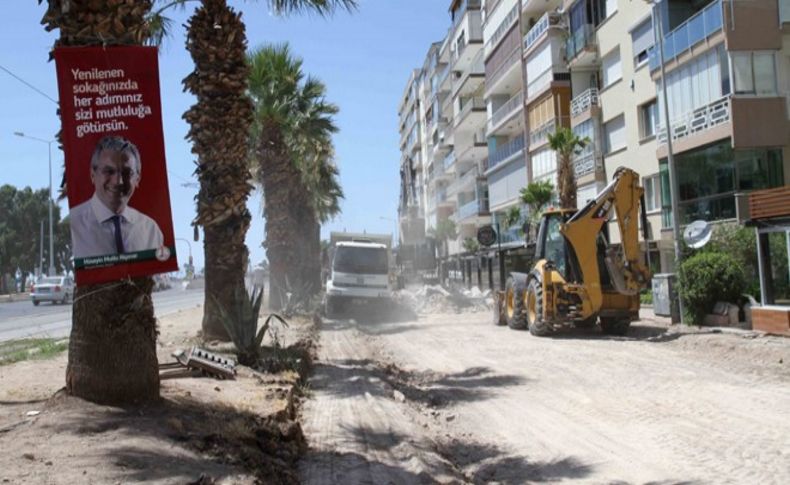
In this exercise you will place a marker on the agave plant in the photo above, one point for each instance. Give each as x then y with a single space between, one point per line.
241 323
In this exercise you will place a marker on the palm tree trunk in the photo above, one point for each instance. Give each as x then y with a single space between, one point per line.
112 349
220 122
279 179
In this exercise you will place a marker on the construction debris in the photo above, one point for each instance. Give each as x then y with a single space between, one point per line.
438 299
198 362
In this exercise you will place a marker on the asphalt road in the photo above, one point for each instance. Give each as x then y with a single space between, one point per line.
21 319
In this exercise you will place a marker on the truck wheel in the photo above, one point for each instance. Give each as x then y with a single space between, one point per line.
35 302
514 304
615 326
534 310
331 309
499 305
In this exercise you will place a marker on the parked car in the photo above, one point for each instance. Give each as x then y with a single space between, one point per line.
57 289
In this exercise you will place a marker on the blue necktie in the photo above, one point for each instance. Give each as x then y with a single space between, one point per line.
116 222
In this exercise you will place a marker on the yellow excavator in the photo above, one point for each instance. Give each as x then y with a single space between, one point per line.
579 278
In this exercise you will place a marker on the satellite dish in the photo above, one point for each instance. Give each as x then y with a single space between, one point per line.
697 234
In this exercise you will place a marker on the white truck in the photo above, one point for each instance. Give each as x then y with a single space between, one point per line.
359 273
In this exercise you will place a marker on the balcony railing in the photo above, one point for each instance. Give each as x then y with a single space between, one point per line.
475 207
700 119
541 133
505 152
587 164
448 161
458 184
584 101
537 30
578 40
540 81
502 29
461 10
503 68
505 110
471 104
696 28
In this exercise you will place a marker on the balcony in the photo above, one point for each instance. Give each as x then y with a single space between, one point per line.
696 121
473 208
584 102
503 28
511 106
472 104
461 182
580 40
503 68
466 5
470 78
536 32
697 28
587 162
540 135
538 84
506 152
448 161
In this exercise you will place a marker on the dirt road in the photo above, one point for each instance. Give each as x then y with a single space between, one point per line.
454 399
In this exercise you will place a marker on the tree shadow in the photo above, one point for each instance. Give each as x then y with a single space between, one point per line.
353 468
183 438
486 463
348 378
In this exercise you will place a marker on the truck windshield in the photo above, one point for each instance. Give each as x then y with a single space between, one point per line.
361 260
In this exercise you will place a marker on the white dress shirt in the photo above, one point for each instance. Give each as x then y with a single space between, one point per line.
93 234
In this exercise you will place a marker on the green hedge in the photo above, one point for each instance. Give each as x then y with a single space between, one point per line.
708 277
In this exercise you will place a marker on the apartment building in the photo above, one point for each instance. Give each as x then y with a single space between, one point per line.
727 69
593 65
411 205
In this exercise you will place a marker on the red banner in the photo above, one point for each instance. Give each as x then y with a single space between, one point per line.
121 223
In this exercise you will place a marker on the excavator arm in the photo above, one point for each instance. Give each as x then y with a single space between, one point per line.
627 272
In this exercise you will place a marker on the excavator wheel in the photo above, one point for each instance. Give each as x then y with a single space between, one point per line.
615 326
534 310
514 304
499 305
587 322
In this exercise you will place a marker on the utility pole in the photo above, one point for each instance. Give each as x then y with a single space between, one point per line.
673 183
51 267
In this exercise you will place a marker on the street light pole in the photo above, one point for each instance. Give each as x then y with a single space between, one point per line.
190 251
51 267
673 182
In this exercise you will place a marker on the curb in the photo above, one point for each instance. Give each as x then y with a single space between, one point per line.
14 297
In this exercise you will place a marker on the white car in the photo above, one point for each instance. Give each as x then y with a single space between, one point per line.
57 289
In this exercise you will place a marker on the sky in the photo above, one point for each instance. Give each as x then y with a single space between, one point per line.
364 58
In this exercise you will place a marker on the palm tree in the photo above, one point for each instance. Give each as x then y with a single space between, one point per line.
443 232
222 198
112 348
292 144
567 144
220 121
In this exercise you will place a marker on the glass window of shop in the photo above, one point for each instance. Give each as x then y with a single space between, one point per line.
709 177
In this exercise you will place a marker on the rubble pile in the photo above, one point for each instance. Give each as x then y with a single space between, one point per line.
438 299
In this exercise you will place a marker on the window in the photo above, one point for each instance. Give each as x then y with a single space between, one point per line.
652 186
755 72
642 40
648 115
697 83
612 70
614 134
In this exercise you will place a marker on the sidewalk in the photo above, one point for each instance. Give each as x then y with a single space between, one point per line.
14 297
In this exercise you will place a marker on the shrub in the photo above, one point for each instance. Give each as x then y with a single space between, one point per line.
646 297
706 278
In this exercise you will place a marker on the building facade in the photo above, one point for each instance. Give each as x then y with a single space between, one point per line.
510 72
